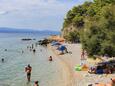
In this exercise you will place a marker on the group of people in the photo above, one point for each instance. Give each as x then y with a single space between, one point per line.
101 69
31 48
28 70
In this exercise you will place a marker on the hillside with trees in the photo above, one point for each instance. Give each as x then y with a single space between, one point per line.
92 24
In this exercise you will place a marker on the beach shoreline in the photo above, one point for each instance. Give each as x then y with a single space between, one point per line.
78 78
67 73
68 63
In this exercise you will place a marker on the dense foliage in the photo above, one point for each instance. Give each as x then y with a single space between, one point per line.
95 24
72 36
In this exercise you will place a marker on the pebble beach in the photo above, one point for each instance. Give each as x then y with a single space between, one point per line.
78 78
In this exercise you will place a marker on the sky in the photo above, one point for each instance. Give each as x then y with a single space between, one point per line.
35 14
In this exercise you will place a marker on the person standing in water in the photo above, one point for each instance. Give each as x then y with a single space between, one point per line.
22 51
36 83
32 46
28 70
50 58
2 59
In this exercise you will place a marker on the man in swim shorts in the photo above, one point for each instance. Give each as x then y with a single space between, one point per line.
28 70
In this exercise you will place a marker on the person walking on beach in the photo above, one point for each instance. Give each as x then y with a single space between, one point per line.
36 83
28 70
82 55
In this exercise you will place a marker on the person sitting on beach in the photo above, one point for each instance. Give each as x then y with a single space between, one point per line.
107 69
50 58
36 83
92 70
28 70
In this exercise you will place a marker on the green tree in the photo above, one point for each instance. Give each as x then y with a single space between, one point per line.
96 21
73 37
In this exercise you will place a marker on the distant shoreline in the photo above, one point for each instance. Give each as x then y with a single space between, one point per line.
14 30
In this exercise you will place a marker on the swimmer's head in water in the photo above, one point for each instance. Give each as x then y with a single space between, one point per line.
36 82
2 59
29 65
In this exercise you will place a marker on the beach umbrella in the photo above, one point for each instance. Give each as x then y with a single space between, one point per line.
53 42
56 43
62 48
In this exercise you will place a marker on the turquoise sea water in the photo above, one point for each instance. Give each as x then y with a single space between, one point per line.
12 70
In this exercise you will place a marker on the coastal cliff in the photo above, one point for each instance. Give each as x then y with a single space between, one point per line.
74 22
93 25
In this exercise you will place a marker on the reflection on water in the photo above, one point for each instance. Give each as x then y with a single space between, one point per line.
12 70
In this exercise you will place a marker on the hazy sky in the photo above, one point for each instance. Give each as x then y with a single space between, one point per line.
35 14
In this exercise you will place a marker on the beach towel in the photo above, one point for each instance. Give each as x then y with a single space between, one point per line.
78 67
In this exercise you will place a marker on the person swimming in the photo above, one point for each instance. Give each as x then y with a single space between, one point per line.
50 58
36 83
28 70
2 59
5 50
22 51
34 50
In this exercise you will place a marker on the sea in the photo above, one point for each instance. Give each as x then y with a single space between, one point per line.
12 71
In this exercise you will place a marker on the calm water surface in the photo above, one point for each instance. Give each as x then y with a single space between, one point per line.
12 70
